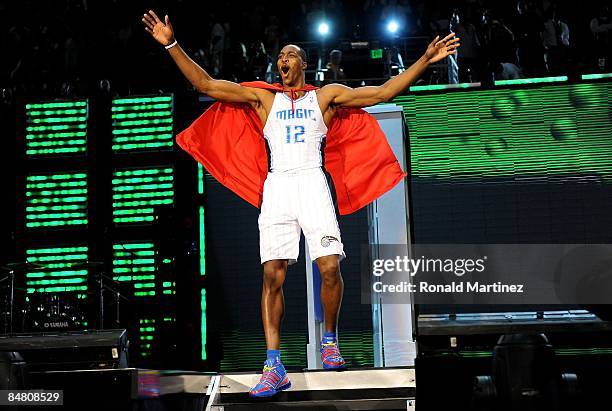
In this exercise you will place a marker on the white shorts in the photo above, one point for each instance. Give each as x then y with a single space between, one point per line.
292 202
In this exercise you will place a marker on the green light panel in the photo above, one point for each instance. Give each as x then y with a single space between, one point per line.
146 336
200 179
203 322
141 124
201 221
202 262
535 80
596 76
138 192
169 288
548 130
58 128
244 348
135 263
202 242
57 269
358 346
433 87
56 200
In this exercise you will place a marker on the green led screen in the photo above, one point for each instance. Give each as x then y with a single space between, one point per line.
57 128
141 124
246 348
134 263
57 269
524 163
138 192
169 287
56 200
201 230
548 130
146 336
202 251
203 338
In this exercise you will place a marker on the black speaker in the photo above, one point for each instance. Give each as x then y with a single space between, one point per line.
77 350
13 374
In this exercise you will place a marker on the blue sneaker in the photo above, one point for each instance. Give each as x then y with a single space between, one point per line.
330 355
273 380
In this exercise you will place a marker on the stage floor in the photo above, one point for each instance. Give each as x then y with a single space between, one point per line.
352 389
358 389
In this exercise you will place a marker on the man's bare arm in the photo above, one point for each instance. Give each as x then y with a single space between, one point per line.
221 90
343 96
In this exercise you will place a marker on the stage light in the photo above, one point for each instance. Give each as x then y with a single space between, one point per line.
323 29
138 192
58 270
392 26
56 128
142 123
56 200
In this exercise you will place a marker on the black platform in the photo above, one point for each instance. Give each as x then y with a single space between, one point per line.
139 389
353 389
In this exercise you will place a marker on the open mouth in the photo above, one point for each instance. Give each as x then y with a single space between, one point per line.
285 69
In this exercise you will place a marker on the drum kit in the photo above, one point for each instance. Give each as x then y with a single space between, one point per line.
22 312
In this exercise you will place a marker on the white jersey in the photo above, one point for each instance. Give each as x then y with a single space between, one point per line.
294 135
296 196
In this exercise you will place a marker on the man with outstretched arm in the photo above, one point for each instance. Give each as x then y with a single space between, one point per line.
295 119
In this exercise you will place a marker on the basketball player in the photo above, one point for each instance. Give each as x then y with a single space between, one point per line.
296 196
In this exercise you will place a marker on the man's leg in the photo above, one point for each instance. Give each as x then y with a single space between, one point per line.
273 301
279 245
274 376
332 288
317 217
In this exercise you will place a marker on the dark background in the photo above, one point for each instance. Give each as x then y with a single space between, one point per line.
66 47
99 49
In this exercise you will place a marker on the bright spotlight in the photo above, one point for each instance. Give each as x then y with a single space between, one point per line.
323 29
392 26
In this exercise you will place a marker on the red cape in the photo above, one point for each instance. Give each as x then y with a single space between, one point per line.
228 141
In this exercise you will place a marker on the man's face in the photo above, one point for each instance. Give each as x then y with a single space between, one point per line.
290 64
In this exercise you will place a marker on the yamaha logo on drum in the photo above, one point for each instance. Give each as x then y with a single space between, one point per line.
58 324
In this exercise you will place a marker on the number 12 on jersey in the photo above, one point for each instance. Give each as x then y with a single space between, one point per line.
298 132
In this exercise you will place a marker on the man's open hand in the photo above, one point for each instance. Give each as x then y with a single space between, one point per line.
437 50
162 32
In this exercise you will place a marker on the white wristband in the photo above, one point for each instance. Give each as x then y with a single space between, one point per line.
169 46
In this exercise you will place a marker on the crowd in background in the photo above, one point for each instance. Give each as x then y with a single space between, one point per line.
69 47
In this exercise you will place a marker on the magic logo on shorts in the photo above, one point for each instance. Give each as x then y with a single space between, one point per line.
326 240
